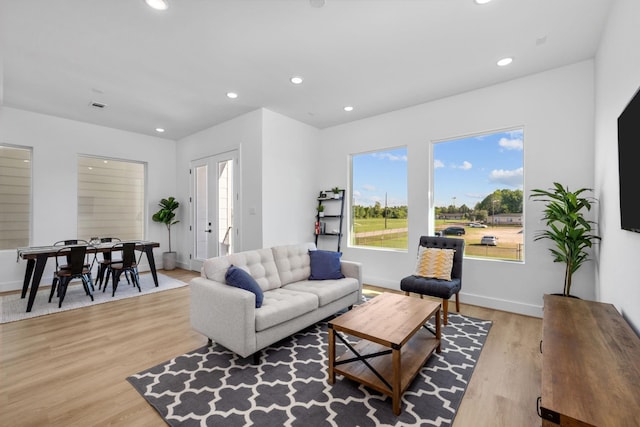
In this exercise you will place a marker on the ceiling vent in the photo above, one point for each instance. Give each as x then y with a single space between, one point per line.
96 104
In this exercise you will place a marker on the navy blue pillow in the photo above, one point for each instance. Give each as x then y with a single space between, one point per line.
325 265
241 279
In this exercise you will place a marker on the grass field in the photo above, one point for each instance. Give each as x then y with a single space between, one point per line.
372 232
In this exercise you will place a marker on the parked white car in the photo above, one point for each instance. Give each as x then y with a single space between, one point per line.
477 225
489 240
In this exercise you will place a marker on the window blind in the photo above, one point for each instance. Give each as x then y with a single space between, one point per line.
15 193
111 198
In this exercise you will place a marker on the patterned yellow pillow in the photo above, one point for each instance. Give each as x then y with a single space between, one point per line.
435 263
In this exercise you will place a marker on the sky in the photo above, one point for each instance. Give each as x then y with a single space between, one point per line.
466 170
378 174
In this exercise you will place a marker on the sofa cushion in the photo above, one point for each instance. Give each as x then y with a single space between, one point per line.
241 279
258 263
325 265
293 262
327 291
282 305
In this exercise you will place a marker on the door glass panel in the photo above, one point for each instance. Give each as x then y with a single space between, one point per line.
202 212
225 207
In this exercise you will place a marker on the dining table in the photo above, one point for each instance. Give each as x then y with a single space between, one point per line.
37 256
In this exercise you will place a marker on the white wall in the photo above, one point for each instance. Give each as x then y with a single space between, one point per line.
289 173
617 79
556 110
56 143
243 133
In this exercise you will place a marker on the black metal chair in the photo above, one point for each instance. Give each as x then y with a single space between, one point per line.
103 264
439 288
128 264
75 267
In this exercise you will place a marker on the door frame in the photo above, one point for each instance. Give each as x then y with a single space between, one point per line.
195 264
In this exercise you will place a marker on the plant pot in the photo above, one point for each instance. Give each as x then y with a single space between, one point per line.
169 260
321 214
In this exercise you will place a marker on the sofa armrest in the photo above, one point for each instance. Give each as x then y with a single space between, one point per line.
225 314
353 269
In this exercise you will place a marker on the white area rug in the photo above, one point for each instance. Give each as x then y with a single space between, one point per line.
13 308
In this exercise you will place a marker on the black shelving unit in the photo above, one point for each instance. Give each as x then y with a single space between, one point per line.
330 221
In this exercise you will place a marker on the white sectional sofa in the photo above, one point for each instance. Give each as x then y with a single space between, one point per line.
228 315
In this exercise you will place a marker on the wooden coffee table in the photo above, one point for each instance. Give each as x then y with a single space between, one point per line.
394 345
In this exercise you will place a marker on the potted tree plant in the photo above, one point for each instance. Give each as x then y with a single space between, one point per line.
320 209
166 216
336 192
569 230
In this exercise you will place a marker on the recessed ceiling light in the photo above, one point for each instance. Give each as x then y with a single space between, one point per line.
232 95
296 80
504 61
482 1
157 4
348 108
159 130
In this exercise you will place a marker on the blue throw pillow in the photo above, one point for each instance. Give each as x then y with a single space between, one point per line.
325 265
241 279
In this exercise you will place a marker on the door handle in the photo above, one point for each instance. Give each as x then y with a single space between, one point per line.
207 231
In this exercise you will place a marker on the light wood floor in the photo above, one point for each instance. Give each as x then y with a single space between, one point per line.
70 368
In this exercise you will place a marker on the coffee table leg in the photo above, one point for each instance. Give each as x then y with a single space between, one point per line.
332 355
397 373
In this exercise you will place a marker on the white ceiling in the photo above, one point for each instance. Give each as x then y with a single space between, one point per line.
172 69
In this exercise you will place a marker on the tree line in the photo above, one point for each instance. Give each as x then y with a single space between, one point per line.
499 202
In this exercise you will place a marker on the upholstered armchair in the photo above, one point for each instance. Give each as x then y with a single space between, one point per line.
438 273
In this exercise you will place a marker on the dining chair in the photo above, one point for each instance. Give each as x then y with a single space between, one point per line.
70 242
75 267
103 264
128 264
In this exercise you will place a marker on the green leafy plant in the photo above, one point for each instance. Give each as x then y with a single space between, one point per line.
335 190
567 227
320 208
166 214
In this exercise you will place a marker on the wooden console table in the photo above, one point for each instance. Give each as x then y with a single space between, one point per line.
590 365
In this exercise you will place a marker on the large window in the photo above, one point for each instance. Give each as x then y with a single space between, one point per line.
15 192
110 198
478 184
379 199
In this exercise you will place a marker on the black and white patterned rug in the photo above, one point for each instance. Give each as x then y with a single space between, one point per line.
212 386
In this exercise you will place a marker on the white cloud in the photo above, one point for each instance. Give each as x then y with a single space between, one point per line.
511 144
464 166
512 178
389 156
437 164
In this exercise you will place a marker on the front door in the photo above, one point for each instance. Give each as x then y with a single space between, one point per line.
215 195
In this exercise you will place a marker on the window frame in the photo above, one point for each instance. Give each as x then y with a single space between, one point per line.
521 250
351 201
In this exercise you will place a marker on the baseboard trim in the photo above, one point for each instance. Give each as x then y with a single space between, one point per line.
474 299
